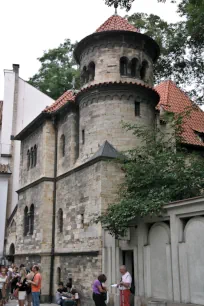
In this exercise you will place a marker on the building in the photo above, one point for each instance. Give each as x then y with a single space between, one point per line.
22 103
67 179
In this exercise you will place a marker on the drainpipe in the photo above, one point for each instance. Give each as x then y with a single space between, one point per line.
53 213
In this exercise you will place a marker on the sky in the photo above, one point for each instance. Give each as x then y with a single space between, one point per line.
28 27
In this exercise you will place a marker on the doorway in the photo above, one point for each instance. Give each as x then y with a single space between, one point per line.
128 261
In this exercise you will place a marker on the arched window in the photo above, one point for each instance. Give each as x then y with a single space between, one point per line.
62 145
13 226
60 220
32 213
26 221
12 250
91 71
34 156
143 70
58 275
28 160
134 67
84 76
123 66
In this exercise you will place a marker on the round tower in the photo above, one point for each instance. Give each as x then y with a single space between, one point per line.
116 65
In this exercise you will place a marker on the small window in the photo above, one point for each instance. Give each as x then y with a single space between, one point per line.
143 71
200 136
84 76
26 221
34 156
60 220
62 145
123 66
91 71
83 136
31 219
28 159
137 109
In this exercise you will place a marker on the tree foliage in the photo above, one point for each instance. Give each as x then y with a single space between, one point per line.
57 72
155 174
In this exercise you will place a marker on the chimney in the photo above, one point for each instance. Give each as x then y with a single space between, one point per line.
16 68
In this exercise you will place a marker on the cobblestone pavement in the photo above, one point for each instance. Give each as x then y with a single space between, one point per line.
15 303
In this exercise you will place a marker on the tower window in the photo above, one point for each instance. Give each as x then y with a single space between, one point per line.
143 70
32 157
137 109
91 71
123 66
134 67
200 136
83 136
82 220
58 275
84 75
62 145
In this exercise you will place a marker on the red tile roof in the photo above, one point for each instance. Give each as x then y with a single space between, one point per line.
116 23
68 96
4 169
1 111
174 100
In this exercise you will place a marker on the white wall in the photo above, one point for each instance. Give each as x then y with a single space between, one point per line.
3 200
30 103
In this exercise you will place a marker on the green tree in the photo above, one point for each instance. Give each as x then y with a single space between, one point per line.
57 72
154 175
180 59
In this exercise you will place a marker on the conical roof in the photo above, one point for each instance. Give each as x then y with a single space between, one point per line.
116 23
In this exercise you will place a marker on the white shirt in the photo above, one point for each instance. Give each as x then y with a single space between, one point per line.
126 278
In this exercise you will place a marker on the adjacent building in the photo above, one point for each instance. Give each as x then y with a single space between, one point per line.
21 104
67 179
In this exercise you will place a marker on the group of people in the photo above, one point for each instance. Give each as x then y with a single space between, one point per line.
100 290
22 284
67 295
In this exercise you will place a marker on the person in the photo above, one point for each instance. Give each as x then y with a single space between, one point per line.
124 286
75 296
22 287
29 276
58 296
36 286
14 280
61 286
3 285
99 290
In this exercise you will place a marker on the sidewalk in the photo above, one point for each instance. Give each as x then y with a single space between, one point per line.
15 303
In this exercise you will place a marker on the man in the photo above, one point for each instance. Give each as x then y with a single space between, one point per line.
29 277
124 286
36 286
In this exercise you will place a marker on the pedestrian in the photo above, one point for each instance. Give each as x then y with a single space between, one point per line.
14 280
36 286
99 291
3 285
22 287
29 276
124 286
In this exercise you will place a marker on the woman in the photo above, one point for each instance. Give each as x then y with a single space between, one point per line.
3 285
22 287
99 291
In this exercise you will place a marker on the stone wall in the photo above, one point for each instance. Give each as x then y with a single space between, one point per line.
78 195
67 126
102 114
83 270
44 138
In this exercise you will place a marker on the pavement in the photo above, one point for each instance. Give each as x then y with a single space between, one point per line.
15 303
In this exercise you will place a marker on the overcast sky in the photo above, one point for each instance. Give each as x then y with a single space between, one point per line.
28 27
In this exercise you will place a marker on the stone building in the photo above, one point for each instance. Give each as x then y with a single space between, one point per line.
67 179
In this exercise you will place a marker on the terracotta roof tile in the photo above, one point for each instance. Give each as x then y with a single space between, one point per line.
5 169
1 111
175 100
68 96
116 23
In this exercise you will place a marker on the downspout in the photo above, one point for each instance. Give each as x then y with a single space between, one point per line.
53 213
